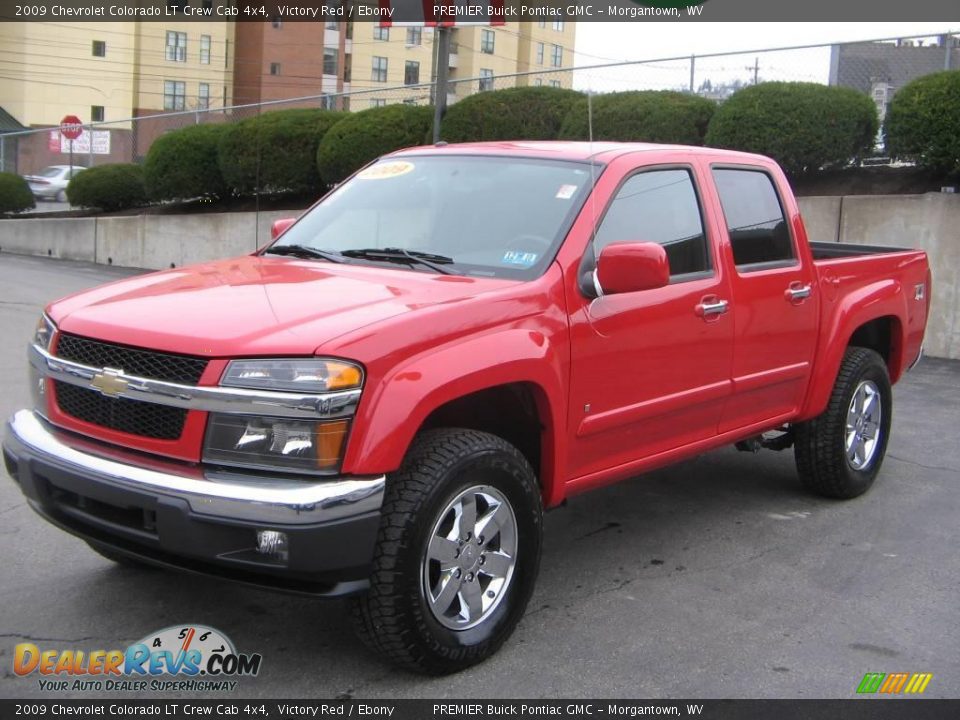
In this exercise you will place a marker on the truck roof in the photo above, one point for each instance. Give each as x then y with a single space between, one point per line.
571 150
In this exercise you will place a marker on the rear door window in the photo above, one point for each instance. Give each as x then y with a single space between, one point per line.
755 219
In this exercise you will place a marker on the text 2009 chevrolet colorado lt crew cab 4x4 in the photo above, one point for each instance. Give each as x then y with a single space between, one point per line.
383 401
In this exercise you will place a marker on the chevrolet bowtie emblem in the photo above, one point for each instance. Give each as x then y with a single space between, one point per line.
109 382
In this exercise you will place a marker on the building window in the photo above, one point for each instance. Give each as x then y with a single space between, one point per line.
379 73
274 68
541 23
558 25
96 113
556 56
539 53
99 48
174 95
328 102
555 83
411 73
176 46
378 102
414 35
538 82
205 49
277 24
486 41
332 25
330 61
486 79
203 96
380 32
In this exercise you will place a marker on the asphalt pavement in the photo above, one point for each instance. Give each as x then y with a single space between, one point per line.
718 577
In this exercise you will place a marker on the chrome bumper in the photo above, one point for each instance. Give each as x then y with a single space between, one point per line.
233 496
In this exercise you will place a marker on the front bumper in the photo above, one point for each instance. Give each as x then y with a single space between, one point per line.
184 517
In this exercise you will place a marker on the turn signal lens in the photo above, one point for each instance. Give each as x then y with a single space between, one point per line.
330 439
309 375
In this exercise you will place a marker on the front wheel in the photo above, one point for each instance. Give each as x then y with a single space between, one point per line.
839 452
457 553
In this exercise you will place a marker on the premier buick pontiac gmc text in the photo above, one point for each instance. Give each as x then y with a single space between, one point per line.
383 401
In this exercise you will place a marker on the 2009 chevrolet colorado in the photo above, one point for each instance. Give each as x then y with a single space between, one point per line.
383 401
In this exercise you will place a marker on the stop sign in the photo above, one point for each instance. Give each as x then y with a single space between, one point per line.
71 127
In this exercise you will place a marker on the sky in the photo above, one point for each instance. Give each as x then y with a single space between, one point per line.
598 42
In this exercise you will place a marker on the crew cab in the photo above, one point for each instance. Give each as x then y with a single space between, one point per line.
383 401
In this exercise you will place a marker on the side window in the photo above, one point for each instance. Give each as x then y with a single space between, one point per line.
754 216
659 206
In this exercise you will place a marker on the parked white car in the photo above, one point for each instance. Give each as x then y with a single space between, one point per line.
51 182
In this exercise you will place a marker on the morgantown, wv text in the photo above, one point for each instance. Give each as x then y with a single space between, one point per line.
527 12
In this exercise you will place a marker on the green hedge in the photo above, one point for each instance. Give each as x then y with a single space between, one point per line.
923 122
183 164
366 135
803 126
275 152
108 187
645 116
15 194
523 113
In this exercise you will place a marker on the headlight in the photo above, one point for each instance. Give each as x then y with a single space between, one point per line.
275 443
309 375
44 333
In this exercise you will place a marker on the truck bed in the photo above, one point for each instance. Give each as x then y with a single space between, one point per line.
832 250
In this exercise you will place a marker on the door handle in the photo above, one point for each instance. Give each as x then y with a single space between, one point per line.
710 307
798 292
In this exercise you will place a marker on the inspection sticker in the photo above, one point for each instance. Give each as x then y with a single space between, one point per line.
515 257
383 171
566 192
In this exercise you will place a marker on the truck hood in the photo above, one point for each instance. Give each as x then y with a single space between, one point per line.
255 306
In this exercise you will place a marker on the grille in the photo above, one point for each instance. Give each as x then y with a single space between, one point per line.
145 363
122 414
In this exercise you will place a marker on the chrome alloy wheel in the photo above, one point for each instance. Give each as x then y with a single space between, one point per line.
470 558
862 430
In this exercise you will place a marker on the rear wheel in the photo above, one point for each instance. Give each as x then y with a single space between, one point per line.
457 554
839 452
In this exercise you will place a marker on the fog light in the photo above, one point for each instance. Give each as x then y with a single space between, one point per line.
273 543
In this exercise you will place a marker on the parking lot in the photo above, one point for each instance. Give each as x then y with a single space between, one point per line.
718 577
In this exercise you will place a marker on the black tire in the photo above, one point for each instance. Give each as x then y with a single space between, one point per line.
394 617
118 558
820 449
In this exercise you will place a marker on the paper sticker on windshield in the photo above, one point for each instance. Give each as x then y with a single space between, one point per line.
566 192
383 171
516 257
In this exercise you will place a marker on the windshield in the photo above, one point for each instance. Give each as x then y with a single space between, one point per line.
52 171
490 216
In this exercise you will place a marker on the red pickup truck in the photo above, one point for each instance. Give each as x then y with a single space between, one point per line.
383 401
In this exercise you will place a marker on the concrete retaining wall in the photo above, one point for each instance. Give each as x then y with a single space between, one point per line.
930 222
145 241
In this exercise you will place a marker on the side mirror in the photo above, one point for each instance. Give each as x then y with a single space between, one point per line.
632 266
280 226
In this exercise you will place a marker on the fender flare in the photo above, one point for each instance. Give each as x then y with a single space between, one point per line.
866 304
391 413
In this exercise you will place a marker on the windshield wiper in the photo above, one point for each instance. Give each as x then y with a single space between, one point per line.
411 257
304 252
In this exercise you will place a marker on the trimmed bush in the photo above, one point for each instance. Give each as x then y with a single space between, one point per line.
15 194
923 122
277 148
803 126
108 187
183 164
645 116
366 135
522 113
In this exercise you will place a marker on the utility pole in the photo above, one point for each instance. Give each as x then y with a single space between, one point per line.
756 70
442 39
693 71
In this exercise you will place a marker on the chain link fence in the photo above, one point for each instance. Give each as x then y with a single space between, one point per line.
877 68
